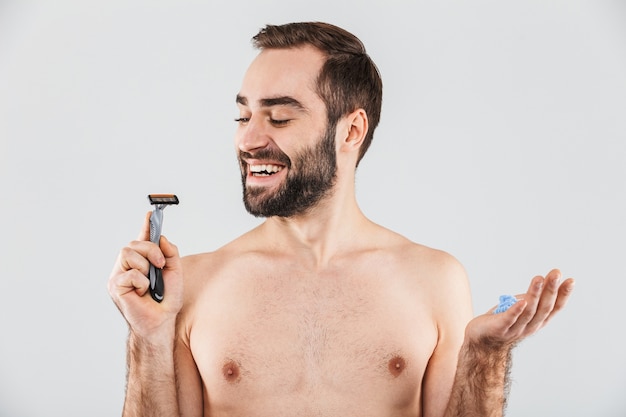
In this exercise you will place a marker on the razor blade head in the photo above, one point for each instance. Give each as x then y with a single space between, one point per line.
158 199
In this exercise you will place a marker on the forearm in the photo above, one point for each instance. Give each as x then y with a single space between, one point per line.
481 382
151 386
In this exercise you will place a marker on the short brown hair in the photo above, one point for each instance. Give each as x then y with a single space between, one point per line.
348 80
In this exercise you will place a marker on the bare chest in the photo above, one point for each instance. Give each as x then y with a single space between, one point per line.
288 335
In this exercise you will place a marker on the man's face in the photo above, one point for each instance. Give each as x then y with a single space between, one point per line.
286 148
309 178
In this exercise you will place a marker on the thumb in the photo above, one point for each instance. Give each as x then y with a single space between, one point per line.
145 229
170 251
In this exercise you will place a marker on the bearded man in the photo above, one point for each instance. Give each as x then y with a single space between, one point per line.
318 311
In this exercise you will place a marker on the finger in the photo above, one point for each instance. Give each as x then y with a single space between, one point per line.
511 317
144 234
130 281
532 298
546 302
150 251
564 292
130 259
172 259
501 324
138 255
170 251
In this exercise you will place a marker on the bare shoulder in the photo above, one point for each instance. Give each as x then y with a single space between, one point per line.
437 272
202 270
438 265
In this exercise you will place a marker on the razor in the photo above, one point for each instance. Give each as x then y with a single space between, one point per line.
159 201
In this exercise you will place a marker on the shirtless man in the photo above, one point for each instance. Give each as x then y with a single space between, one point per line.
318 311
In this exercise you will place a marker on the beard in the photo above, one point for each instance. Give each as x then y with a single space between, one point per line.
304 187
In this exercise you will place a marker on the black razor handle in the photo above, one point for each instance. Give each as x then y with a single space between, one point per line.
156 283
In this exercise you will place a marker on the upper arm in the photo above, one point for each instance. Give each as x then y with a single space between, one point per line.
452 310
188 382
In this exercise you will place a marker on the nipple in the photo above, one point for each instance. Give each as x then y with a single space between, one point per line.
396 365
230 370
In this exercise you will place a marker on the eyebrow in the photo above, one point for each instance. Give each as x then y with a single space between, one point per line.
274 101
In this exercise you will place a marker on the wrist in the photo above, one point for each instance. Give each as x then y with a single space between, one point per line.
161 336
485 344
489 351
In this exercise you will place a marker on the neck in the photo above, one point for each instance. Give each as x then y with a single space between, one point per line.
331 227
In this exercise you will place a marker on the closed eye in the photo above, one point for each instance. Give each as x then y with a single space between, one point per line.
276 122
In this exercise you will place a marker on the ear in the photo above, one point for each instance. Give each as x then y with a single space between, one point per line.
353 131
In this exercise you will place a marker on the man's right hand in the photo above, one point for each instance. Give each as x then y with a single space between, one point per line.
128 285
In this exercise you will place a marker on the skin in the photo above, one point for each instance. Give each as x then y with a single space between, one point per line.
324 313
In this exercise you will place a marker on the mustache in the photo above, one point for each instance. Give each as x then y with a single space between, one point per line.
267 153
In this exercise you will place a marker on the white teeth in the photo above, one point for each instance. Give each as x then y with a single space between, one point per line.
265 168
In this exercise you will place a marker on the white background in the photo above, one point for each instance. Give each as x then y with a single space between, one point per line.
502 141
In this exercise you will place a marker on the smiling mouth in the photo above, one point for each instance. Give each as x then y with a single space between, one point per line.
264 170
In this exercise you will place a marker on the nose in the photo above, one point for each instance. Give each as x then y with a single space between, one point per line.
251 136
